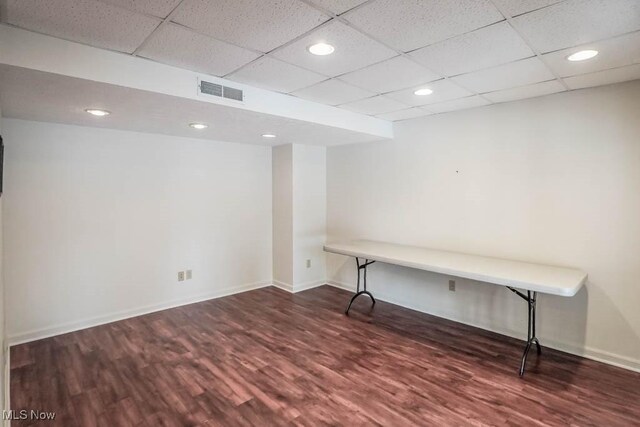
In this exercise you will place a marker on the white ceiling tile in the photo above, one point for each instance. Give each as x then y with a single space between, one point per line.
410 24
272 74
518 7
338 6
159 8
615 75
333 92
376 105
483 48
522 92
613 53
409 113
353 50
505 76
84 21
257 24
574 22
443 90
458 104
392 74
179 46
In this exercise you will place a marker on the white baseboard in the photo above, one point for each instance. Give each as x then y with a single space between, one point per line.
64 328
308 285
300 287
586 352
282 285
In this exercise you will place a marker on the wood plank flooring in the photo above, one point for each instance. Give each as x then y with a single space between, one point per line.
267 357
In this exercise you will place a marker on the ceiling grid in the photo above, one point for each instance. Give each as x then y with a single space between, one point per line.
381 45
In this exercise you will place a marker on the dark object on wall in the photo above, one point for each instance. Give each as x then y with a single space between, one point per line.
1 163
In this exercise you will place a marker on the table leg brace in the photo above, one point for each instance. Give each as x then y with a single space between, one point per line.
530 298
364 291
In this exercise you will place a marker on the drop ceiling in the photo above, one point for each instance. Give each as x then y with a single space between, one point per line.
469 52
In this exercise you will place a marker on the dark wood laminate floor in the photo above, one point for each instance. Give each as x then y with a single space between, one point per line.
267 357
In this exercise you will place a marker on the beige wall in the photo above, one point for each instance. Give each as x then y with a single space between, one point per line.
554 180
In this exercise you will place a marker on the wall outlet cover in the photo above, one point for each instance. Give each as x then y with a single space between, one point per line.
452 285
180 276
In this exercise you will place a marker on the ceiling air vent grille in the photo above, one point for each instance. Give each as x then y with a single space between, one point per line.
231 93
210 88
215 89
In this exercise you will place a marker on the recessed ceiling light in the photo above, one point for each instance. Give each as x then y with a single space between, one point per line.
96 112
582 55
198 125
268 135
424 91
321 49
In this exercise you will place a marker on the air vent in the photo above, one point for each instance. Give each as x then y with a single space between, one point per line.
210 88
215 89
231 93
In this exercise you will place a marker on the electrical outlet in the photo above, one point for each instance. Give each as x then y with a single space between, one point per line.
180 276
189 274
452 285
308 263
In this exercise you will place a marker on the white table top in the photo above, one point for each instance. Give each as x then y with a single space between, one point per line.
533 277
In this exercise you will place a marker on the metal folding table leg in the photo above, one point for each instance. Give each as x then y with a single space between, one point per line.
364 291
530 298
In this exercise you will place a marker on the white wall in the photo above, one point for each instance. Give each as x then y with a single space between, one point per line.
554 180
282 176
3 353
98 222
309 215
299 216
